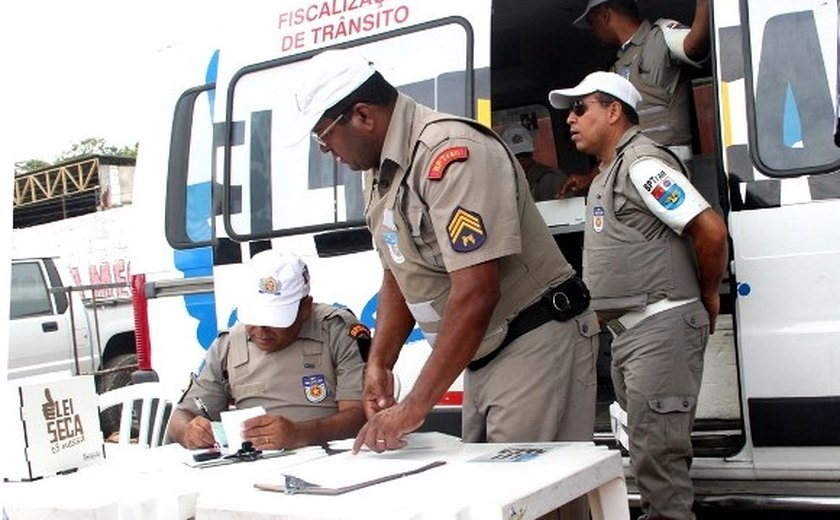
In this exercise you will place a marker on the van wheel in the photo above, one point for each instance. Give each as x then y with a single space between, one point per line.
110 419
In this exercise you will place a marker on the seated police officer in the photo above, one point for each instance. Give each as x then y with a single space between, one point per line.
298 359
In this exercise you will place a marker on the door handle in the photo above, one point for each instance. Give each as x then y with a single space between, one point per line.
49 326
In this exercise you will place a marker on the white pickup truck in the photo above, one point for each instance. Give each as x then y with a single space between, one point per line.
58 328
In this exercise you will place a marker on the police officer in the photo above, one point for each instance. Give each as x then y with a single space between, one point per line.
544 181
466 256
654 257
653 57
299 360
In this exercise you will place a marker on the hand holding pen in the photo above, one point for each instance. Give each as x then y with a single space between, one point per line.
199 431
199 403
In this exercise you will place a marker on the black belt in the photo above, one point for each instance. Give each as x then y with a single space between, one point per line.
560 303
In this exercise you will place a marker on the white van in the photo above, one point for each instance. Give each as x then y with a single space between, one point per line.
214 187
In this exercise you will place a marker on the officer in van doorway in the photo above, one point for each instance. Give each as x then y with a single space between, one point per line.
654 257
544 181
653 57
466 256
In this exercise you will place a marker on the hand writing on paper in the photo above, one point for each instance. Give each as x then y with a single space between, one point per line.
270 432
199 434
49 408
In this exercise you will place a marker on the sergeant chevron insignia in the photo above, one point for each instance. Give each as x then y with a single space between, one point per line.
466 230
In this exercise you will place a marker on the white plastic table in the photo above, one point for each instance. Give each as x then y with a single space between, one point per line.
460 489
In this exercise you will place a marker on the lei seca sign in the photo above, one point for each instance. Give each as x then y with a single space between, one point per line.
56 428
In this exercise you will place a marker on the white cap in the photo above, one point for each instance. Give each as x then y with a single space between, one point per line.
606 82
272 287
329 77
581 22
518 140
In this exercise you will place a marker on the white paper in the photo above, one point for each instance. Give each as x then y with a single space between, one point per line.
232 424
415 441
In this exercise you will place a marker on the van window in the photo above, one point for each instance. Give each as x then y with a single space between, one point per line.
29 291
793 75
536 119
288 189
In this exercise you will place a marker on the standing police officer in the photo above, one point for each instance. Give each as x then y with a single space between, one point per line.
654 257
467 256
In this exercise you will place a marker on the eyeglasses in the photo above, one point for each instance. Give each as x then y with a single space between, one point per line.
319 137
579 107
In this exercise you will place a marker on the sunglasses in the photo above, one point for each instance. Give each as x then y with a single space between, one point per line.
579 107
319 137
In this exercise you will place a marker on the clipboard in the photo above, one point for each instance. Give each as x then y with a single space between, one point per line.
294 485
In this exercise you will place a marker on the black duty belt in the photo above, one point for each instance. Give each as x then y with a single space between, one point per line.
560 303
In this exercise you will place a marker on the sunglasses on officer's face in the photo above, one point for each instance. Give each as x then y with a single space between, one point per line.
579 107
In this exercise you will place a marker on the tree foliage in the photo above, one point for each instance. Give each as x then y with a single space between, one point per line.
31 165
89 146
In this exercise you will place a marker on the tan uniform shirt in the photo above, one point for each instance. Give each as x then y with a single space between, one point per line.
448 195
303 381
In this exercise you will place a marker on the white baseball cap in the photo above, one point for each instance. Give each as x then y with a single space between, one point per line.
329 77
606 82
582 22
518 140
272 287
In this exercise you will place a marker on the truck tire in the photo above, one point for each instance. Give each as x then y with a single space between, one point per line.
109 420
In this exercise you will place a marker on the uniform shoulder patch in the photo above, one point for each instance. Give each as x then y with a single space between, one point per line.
359 331
659 181
466 230
445 158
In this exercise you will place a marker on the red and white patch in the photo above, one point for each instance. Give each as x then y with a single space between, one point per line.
445 158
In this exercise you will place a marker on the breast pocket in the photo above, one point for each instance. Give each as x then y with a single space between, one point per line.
422 232
248 390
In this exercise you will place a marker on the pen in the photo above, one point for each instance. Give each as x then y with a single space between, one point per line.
200 404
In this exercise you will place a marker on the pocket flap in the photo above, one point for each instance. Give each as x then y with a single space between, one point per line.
674 403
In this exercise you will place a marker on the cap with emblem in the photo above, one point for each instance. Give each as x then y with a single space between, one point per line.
518 140
606 82
272 287
329 77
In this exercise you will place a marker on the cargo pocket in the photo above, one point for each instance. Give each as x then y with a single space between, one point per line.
696 337
587 348
675 418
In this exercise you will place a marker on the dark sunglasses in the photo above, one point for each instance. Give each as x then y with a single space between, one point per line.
579 107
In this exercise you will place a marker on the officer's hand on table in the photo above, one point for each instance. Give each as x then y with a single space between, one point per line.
270 432
379 390
385 430
199 434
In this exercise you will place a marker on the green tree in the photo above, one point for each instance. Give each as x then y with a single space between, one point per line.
31 165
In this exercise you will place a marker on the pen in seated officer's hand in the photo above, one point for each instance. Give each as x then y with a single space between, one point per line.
271 432
198 434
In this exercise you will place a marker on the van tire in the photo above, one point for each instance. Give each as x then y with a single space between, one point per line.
110 419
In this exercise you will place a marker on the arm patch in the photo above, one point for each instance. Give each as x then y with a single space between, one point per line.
444 159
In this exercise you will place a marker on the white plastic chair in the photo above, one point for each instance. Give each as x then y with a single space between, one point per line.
152 401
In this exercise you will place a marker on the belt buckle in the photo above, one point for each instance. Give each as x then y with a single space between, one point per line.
616 328
564 305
